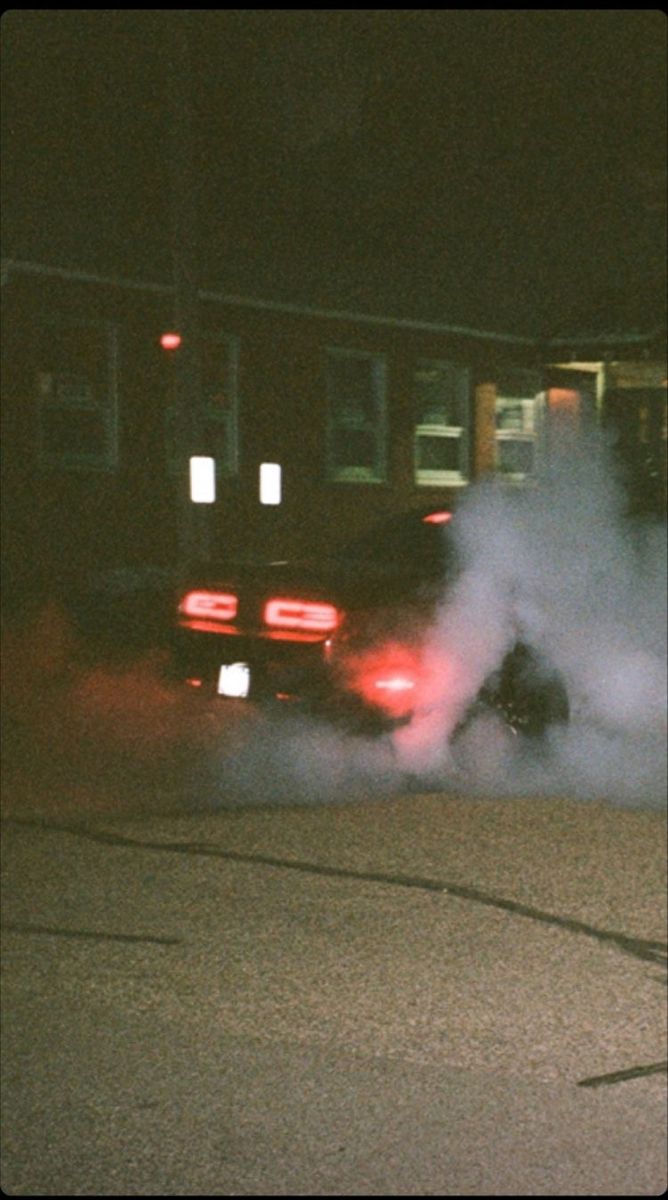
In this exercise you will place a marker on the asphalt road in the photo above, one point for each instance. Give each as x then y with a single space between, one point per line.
424 995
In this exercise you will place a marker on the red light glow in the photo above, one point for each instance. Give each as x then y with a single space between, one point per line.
214 606
402 679
390 678
309 615
437 518
170 341
395 683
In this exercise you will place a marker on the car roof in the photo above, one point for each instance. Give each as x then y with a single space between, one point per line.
407 539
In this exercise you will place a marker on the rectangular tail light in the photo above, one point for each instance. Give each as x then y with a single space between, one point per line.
209 605
310 616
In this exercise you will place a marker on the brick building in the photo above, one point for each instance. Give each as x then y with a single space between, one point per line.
364 414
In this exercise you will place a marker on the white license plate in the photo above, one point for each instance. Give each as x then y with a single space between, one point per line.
234 680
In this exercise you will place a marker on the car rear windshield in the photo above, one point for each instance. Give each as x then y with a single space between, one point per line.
403 543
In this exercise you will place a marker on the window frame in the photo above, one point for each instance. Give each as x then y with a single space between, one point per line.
377 427
434 477
532 394
105 405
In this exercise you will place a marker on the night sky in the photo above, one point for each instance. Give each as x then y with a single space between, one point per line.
502 169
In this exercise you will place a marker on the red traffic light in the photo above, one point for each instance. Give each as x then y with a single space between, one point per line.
170 341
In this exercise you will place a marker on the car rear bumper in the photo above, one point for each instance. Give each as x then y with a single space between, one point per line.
279 671
277 667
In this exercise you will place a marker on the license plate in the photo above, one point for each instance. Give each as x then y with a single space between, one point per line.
234 680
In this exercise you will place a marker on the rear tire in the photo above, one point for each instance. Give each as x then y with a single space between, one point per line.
529 693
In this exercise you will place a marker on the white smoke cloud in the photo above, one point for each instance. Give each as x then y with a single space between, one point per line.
561 568
557 565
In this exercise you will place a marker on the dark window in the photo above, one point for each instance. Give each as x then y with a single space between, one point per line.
78 435
76 382
355 416
438 453
219 370
515 457
441 397
519 411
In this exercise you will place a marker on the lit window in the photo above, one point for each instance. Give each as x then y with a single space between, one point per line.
441 395
76 383
356 428
218 379
270 483
202 480
519 411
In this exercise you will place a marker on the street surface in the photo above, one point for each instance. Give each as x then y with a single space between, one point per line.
423 995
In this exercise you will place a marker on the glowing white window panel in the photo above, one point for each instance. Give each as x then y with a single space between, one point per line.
270 483
202 480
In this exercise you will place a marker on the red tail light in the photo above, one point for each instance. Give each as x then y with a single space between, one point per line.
437 518
311 616
209 605
394 683
390 678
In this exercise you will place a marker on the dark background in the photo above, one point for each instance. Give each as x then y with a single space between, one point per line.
504 169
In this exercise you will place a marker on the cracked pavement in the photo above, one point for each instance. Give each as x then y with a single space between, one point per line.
414 996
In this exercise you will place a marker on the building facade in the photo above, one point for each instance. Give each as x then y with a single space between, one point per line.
359 415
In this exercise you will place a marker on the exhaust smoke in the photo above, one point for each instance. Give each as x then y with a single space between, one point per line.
556 565
560 568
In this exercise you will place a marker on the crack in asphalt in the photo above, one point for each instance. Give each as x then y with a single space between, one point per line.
619 1076
645 949
93 934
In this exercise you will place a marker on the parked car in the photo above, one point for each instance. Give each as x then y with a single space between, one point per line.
346 636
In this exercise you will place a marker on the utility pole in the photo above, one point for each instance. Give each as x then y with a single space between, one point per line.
193 530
